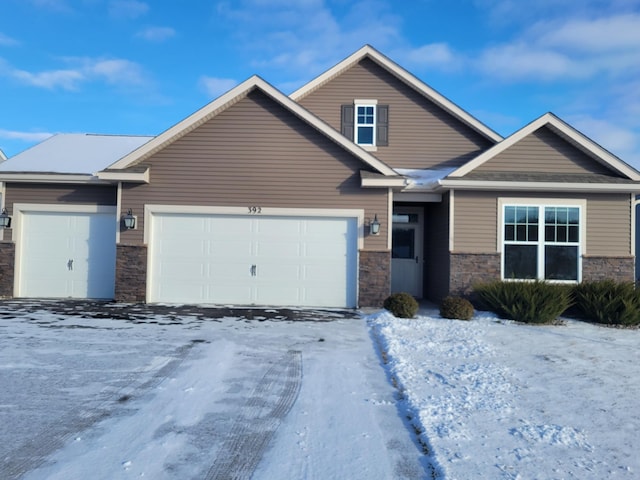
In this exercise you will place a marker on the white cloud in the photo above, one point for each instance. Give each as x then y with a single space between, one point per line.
216 86
437 55
156 34
24 136
127 9
112 71
7 41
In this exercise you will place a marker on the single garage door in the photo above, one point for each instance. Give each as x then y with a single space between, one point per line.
265 260
67 255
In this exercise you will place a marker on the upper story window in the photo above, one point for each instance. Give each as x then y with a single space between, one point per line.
366 123
542 242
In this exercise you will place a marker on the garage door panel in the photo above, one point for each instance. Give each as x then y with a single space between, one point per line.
266 260
67 255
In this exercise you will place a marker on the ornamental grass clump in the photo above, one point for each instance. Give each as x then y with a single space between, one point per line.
609 302
528 302
401 305
456 308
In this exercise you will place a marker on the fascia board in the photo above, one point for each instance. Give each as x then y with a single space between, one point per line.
383 182
48 178
132 177
549 119
540 186
407 78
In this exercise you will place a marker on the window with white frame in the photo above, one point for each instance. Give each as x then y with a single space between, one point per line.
541 242
365 123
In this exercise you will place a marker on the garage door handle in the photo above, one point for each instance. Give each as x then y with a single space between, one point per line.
70 265
254 270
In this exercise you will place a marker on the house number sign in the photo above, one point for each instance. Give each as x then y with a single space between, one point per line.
255 210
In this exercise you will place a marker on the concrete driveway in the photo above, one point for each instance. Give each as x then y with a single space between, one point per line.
91 390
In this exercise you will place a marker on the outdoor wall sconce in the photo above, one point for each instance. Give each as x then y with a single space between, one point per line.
129 221
375 225
5 219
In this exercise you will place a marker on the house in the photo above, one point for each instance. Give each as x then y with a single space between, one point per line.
362 182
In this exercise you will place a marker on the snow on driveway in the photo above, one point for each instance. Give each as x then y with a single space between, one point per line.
180 396
498 400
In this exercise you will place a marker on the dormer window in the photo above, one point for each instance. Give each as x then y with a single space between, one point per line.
366 123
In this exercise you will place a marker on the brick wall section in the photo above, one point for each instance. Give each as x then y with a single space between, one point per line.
375 277
131 273
7 262
608 268
468 269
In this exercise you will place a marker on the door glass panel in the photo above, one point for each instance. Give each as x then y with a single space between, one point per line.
403 243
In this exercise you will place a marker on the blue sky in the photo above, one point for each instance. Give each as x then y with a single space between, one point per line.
138 67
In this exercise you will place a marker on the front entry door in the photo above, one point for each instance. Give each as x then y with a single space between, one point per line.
407 251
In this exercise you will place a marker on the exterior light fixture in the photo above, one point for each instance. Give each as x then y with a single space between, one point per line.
5 219
375 225
129 221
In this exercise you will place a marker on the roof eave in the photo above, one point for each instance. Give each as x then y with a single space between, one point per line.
540 186
68 178
129 177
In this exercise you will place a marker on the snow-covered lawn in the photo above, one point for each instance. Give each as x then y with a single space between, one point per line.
495 399
182 396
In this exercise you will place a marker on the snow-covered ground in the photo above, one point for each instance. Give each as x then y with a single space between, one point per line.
182 396
495 399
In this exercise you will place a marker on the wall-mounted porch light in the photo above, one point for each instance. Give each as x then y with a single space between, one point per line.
374 227
129 220
5 219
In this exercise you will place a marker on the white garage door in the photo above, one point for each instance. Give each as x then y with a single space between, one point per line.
67 255
266 260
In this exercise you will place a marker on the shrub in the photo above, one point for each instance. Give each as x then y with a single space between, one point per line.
456 307
609 302
401 305
529 302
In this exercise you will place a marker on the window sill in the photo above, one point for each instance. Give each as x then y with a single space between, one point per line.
369 148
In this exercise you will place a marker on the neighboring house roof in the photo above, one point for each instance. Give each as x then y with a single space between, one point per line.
221 104
72 153
563 129
3 157
408 78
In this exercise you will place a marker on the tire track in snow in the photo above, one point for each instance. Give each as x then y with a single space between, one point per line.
269 403
34 452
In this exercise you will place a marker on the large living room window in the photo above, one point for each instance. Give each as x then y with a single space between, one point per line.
541 242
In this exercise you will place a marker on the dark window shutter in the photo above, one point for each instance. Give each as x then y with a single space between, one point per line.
347 118
382 127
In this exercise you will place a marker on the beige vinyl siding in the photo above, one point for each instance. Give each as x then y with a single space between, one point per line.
256 153
59 194
437 266
475 215
543 152
421 134
608 221
609 225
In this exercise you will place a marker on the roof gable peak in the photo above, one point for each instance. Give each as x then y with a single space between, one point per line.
565 131
367 51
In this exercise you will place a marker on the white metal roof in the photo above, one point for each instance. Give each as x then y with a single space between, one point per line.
82 153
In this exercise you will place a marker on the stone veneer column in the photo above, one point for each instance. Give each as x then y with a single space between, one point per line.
468 269
131 273
375 277
7 268
619 269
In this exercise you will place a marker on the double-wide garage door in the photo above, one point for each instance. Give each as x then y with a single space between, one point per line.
67 254
253 260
